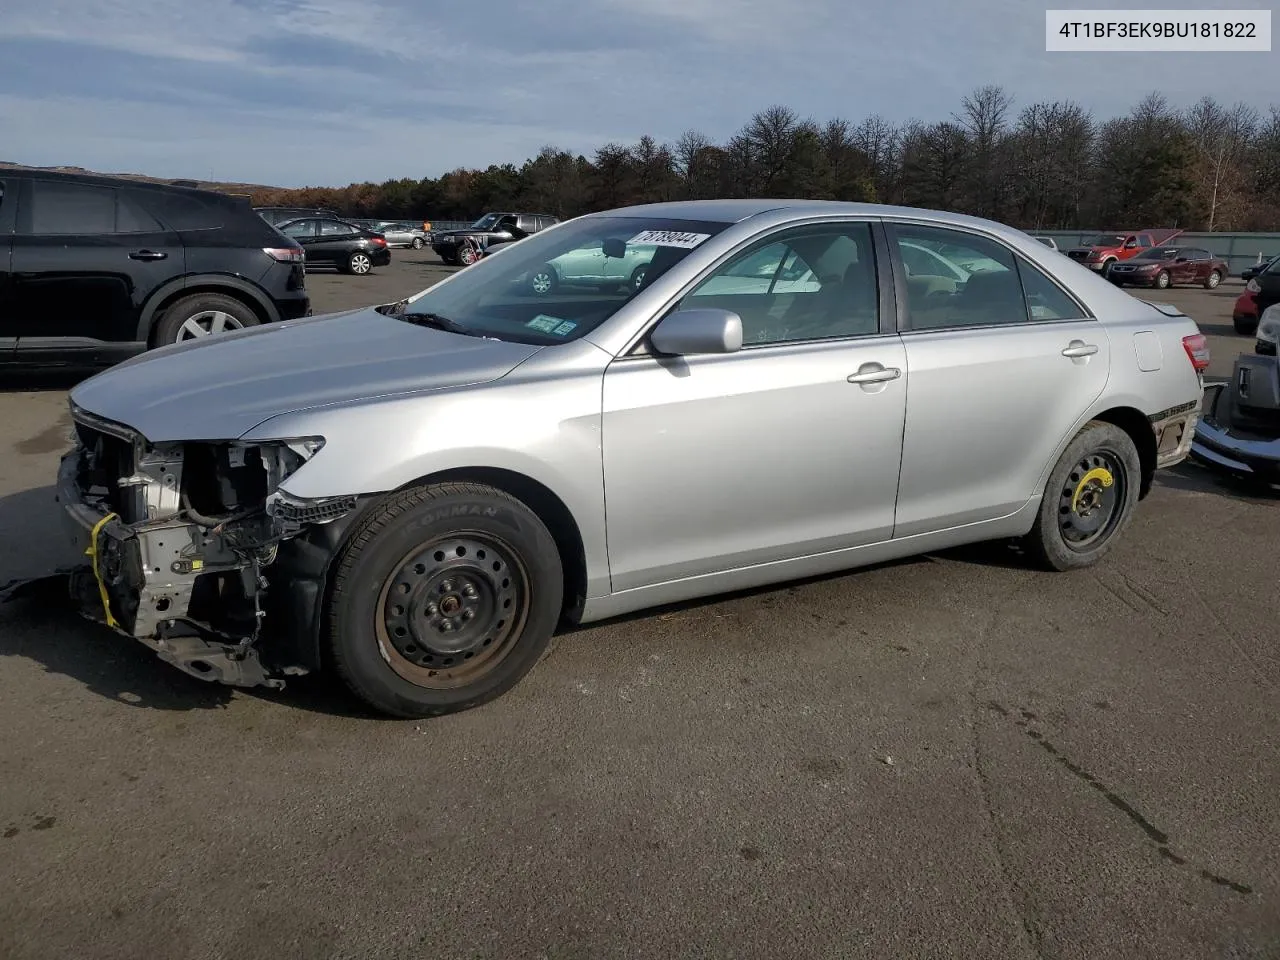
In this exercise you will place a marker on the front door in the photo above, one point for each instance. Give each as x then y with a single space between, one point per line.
787 448
85 258
1003 366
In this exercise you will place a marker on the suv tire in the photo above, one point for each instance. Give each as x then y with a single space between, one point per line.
203 314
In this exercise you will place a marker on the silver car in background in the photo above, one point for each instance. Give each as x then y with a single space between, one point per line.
415 495
399 234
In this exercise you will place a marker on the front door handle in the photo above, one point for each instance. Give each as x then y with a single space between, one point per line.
874 373
148 255
1078 348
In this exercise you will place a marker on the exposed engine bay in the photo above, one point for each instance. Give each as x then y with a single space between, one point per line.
182 540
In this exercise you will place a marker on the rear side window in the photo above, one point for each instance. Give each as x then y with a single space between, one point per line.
69 208
302 228
179 211
334 228
959 279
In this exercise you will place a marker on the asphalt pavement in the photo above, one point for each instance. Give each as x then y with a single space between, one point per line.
954 756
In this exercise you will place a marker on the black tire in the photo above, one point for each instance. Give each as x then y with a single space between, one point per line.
399 658
1211 281
417 243
544 281
1162 280
360 263
637 277
1245 326
214 312
1107 265
1057 540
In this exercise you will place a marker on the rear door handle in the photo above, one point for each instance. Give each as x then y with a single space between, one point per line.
148 255
874 373
1078 348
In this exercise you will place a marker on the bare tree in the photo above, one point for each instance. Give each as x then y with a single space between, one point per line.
1222 137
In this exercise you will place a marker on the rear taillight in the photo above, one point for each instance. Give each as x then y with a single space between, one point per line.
1197 348
284 254
378 241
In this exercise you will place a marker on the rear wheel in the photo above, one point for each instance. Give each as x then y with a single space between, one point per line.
445 598
544 280
1212 280
1089 499
202 315
417 243
359 263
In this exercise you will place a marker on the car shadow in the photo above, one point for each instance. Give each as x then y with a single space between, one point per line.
1197 478
45 377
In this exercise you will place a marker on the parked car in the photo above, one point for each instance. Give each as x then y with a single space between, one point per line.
403 234
1049 242
278 215
1244 315
1170 266
1108 249
1265 288
491 228
337 243
1248 273
416 494
96 269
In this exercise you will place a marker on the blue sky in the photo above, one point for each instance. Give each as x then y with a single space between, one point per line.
294 92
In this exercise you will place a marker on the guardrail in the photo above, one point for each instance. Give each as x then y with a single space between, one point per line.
1240 250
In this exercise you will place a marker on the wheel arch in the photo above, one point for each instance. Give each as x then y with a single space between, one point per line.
169 293
549 508
1138 426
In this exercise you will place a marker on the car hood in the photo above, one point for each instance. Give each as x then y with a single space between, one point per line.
220 387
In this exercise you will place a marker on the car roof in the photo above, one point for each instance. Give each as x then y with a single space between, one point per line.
107 180
735 211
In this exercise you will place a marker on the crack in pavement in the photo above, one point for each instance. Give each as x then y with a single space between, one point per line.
1157 836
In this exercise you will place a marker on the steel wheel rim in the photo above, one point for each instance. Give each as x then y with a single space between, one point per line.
442 581
208 323
542 282
1092 499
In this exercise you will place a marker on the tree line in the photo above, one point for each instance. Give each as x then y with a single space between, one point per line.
1046 166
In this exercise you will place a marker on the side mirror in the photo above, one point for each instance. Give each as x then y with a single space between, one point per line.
693 331
614 248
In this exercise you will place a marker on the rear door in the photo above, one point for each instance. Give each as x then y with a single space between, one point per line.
8 326
85 257
999 372
333 243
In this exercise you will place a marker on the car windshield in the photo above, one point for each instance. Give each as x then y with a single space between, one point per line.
561 283
1106 240
486 222
1158 253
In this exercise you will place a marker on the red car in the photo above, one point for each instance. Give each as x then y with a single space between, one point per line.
1105 251
1244 316
1166 266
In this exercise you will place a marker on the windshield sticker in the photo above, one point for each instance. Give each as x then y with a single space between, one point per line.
669 238
546 324
564 328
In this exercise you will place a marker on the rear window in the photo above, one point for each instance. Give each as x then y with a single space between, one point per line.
180 211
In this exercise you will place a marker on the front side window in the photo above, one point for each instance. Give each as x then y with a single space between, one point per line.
808 283
487 222
509 296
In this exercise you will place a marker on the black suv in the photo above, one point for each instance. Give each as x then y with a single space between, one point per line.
97 269
491 228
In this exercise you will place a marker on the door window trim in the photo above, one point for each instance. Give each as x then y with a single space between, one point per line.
900 278
887 303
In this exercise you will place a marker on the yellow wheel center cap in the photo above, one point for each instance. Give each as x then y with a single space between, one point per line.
1098 477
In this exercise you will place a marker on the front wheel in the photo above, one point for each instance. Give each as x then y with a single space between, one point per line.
446 597
637 277
544 280
417 243
359 263
467 256
1162 281
1212 280
1089 499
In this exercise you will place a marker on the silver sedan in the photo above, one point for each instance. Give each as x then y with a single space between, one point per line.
416 495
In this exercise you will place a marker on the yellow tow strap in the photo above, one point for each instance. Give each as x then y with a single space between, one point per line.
92 554
1097 473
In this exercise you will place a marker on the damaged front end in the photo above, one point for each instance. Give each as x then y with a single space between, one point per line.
180 541
1240 430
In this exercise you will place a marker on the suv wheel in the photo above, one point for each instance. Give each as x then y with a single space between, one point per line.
445 597
359 263
203 315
